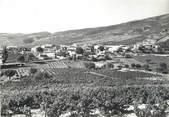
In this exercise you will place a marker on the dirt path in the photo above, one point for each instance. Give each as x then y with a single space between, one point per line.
95 73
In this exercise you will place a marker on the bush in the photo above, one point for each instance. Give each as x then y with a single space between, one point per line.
33 71
138 66
39 49
21 59
119 67
79 50
128 56
133 65
126 66
89 65
146 67
42 75
110 65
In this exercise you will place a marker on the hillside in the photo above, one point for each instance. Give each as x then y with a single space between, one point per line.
126 33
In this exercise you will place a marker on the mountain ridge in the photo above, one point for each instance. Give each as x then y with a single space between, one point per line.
125 33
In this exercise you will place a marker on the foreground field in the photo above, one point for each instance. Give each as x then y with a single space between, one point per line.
83 90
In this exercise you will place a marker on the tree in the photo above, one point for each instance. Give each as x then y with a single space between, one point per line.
4 55
92 48
21 59
127 56
89 65
138 66
101 48
110 65
119 67
39 49
30 57
133 65
126 66
79 50
33 71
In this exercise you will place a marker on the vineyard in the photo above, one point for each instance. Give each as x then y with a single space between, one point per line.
81 91
23 71
61 64
108 101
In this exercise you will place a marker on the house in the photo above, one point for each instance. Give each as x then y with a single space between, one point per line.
34 49
47 46
12 48
96 47
114 48
63 47
43 57
71 52
87 49
100 64
50 54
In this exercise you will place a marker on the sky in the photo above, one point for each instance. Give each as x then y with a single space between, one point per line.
28 16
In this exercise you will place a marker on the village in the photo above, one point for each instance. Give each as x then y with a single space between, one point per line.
95 56
71 63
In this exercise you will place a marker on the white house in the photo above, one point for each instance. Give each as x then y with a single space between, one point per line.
12 47
34 49
113 48
47 46
50 54
71 52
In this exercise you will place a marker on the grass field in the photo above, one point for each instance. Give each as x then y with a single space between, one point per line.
154 60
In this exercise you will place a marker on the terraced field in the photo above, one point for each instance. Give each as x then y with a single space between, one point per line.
23 71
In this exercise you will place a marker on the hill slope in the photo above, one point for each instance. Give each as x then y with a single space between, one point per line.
126 33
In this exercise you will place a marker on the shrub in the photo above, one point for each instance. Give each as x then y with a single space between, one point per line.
133 65
126 66
110 65
127 56
138 66
146 67
119 67
39 49
33 71
42 75
89 65
21 59
79 50
101 48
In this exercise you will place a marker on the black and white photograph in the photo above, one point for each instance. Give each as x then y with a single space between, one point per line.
84 58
